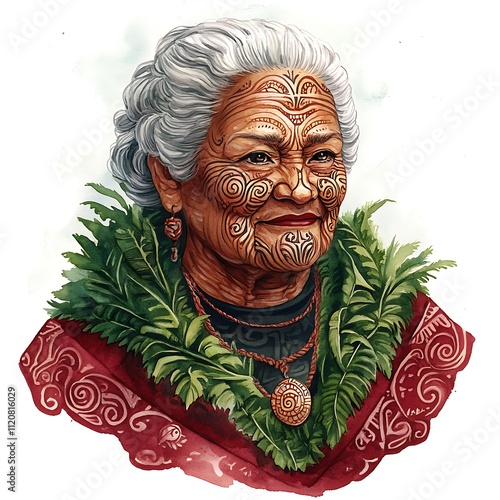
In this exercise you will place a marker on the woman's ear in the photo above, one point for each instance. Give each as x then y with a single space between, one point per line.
168 189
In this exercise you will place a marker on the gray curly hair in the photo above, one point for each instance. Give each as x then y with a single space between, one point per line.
170 100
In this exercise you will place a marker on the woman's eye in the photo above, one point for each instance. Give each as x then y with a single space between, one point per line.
257 158
323 157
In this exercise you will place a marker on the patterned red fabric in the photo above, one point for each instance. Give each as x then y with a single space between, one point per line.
107 390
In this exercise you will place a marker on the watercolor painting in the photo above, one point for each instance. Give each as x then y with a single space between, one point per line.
233 309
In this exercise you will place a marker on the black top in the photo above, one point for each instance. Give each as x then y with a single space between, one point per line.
275 343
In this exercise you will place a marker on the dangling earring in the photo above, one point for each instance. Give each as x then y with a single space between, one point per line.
173 229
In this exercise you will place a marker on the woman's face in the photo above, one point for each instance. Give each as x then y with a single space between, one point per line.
271 179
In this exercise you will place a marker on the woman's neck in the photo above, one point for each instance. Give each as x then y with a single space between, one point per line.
239 284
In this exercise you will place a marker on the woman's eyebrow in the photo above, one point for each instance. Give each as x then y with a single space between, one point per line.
320 137
267 137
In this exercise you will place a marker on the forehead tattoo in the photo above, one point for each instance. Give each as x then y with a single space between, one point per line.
295 95
293 89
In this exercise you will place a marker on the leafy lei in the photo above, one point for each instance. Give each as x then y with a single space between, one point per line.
124 286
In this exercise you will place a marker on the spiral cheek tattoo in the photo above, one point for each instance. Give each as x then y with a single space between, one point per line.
243 196
239 197
331 191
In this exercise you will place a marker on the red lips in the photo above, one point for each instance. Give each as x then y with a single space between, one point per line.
293 220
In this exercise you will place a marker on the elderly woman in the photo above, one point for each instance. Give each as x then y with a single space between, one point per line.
255 344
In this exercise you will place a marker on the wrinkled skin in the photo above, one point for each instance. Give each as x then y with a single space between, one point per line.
264 203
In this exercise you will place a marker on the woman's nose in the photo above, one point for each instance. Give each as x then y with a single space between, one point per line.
294 184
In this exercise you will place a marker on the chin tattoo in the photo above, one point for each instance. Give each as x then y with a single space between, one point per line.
292 250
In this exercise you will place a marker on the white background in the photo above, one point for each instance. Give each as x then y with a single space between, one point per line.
415 66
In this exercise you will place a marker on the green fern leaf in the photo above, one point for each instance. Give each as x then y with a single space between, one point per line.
119 288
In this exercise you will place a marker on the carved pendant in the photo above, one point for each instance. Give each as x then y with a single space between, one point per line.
291 402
